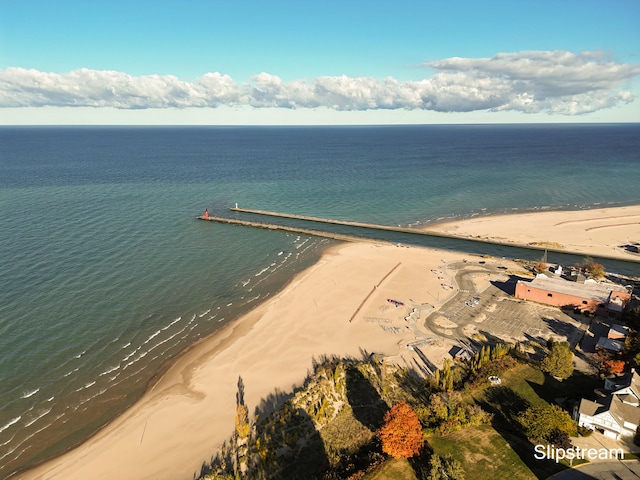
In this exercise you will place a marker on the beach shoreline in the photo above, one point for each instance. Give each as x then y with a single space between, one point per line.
329 308
610 232
185 396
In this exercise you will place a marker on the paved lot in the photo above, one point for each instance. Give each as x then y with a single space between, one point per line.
497 315
620 470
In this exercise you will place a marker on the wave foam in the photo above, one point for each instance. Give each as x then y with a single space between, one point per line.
31 393
11 422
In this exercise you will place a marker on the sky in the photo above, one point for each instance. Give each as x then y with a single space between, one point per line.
318 62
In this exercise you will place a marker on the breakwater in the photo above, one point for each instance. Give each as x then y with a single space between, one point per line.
342 230
389 228
284 228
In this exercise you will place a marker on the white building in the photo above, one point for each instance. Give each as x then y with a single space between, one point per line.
616 414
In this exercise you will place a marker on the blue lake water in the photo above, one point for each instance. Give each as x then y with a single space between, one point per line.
106 274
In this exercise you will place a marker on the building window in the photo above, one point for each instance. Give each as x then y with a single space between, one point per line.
549 294
584 302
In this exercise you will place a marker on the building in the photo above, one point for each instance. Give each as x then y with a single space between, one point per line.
617 332
610 345
616 414
591 296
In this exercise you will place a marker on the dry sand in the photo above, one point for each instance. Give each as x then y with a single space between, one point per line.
190 411
598 232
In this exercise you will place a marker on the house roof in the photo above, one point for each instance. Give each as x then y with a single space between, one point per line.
588 290
609 344
629 399
635 384
622 404
587 407
623 412
617 332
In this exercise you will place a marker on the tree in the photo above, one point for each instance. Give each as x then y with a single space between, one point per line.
445 468
242 412
401 433
559 361
592 269
242 421
613 366
542 423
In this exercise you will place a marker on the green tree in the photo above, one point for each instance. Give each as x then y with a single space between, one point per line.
445 468
559 361
542 423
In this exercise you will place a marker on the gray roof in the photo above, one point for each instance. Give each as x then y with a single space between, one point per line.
609 344
591 290
587 407
623 412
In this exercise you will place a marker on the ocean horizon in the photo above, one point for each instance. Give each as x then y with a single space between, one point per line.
107 276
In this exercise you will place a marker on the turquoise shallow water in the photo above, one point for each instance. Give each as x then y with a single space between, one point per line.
106 274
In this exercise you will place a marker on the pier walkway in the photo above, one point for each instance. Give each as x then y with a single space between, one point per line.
391 228
284 228
372 226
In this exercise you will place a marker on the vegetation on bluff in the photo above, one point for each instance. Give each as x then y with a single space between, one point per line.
363 419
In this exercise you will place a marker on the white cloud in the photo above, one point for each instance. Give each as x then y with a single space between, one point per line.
553 82
539 81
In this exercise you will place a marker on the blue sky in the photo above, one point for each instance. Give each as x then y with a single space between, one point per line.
224 61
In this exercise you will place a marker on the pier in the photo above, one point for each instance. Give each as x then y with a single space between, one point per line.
285 228
391 228
376 227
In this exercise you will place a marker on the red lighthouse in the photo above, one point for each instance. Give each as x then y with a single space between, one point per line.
206 213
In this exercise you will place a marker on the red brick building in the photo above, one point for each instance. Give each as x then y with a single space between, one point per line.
593 297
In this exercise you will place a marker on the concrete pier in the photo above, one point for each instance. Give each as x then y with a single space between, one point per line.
284 228
372 226
391 228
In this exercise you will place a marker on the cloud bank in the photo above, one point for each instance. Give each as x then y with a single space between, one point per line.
554 82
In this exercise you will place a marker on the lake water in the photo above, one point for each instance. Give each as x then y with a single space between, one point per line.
106 274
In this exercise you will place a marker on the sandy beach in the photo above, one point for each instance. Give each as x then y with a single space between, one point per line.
597 232
338 306
335 307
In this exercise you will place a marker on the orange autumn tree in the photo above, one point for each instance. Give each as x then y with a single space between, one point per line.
401 433
613 366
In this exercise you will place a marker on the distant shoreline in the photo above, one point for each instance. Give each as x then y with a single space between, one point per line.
599 232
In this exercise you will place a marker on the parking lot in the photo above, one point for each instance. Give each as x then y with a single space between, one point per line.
485 309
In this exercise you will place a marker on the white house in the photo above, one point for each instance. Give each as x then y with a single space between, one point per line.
616 414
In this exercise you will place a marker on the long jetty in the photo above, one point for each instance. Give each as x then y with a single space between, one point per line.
373 226
391 228
284 228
